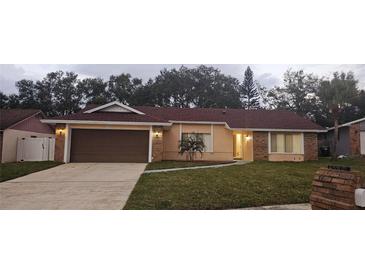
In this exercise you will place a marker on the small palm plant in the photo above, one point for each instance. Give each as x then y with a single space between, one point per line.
191 145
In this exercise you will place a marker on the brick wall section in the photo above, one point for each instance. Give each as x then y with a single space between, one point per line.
157 145
260 145
335 189
310 146
355 139
60 144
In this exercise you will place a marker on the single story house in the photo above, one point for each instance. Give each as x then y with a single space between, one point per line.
118 133
351 138
20 123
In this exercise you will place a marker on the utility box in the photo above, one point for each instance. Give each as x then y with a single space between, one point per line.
360 197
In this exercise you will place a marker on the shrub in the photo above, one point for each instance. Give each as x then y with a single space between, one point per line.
191 145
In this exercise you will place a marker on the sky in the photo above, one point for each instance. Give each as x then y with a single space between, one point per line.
268 75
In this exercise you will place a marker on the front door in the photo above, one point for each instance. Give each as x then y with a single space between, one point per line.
237 146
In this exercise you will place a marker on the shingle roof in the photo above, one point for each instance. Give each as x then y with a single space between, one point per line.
235 118
9 117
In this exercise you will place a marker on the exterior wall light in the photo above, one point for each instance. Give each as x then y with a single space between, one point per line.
157 134
60 131
248 137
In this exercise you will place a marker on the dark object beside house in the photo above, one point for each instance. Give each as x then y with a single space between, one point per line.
324 151
346 168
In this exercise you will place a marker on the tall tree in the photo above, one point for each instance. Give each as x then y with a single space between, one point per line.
67 98
28 94
46 89
336 94
249 93
13 101
123 87
214 89
145 95
173 87
295 94
195 87
355 110
4 100
94 90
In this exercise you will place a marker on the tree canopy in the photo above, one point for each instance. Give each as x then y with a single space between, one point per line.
60 93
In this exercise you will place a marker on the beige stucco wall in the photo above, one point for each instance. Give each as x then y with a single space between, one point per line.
222 142
278 157
248 146
190 128
10 139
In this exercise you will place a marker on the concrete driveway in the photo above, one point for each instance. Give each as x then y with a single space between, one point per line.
72 186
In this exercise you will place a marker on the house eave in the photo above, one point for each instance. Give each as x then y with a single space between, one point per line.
278 130
170 122
348 124
91 122
197 122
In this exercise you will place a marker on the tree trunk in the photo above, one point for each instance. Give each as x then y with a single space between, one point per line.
191 156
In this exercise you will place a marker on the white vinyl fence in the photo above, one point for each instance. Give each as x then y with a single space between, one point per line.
35 149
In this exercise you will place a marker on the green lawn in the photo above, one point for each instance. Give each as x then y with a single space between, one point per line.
13 170
175 164
254 184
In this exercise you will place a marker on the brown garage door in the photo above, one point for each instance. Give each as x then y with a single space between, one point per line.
108 146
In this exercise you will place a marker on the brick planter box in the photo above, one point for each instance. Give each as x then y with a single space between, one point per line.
335 189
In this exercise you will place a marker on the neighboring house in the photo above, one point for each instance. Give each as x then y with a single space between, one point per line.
118 133
20 123
351 138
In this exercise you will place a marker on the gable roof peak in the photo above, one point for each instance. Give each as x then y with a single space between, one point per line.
114 106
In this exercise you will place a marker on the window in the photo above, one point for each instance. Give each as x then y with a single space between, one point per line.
206 137
286 143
